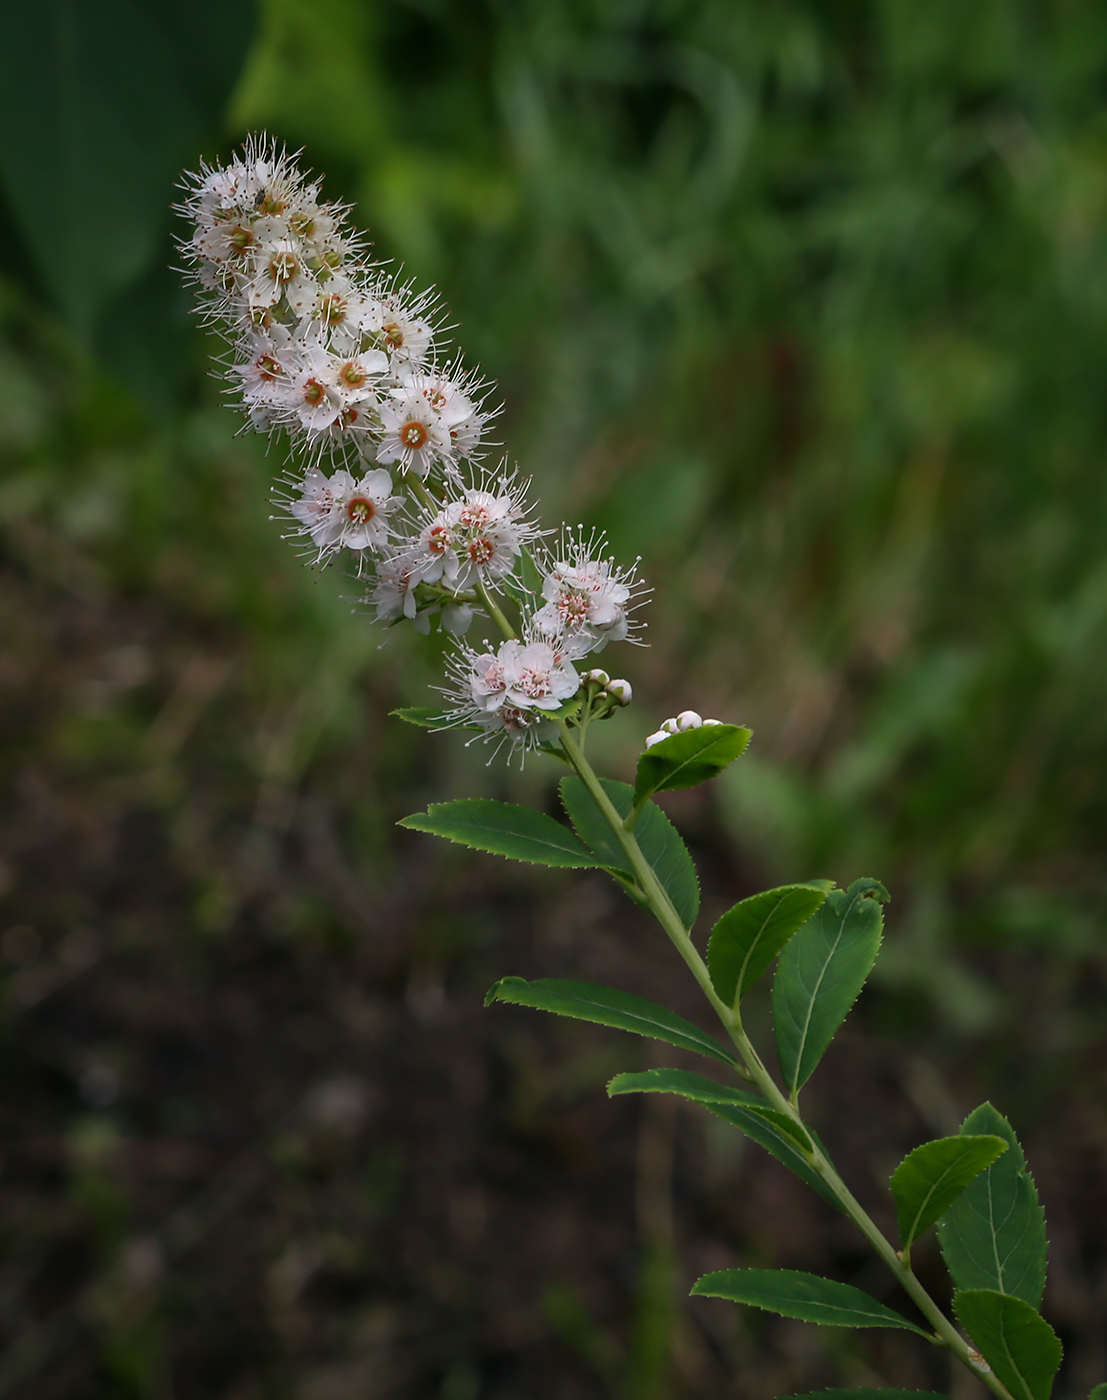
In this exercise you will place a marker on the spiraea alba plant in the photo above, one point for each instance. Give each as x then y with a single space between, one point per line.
384 435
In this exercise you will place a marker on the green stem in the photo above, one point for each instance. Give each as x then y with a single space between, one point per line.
755 1071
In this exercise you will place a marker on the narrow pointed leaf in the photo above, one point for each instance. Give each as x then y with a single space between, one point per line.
425 716
805 1296
820 973
656 835
607 1006
760 1129
748 937
929 1179
700 1089
520 833
1016 1341
867 1393
993 1236
688 759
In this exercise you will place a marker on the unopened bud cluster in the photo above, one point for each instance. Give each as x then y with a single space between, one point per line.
687 719
344 360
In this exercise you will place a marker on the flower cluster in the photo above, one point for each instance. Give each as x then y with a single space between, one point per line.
328 349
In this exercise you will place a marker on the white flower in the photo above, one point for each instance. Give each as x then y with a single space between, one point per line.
398 323
524 675
412 435
588 599
393 591
343 511
477 535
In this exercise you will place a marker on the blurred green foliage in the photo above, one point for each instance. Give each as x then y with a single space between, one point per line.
806 303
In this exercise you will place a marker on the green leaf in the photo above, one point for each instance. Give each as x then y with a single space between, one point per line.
425 716
700 1089
1017 1343
929 1179
994 1236
806 1296
100 106
607 1006
685 760
748 937
520 833
656 835
820 973
740 1108
867 1393
1098 1392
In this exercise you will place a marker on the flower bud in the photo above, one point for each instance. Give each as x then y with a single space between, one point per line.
597 677
652 739
670 726
712 721
620 692
688 719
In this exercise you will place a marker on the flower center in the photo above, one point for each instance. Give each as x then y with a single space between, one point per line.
573 607
413 434
241 238
314 393
268 203
267 367
302 224
393 335
534 683
360 509
438 539
352 375
481 551
332 309
283 267
349 415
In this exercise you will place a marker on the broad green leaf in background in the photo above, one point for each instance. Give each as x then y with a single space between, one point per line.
607 1006
748 937
993 1236
504 829
685 760
425 716
1016 1341
805 1296
820 973
656 835
705 1091
101 105
1098 1392
929 1179
867 1393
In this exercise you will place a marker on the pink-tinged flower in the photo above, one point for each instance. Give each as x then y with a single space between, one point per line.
588 598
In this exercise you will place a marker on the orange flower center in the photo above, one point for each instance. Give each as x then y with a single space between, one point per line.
283 267
332 309
393 335
352 375
314 393
360 509
413 434
267 367
480 551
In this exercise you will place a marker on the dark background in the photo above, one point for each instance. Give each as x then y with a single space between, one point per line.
805 303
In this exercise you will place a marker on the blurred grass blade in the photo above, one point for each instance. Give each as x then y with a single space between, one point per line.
607 1006
820 974
503 829
748 937
929 1179
1016 1341
805 1296
659 839
994 1236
